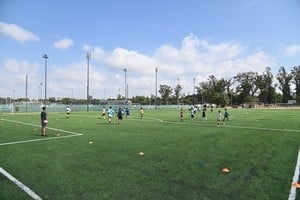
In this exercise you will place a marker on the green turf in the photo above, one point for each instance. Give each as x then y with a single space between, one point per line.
181 161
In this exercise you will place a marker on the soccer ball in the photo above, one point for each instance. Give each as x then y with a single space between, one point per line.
46 121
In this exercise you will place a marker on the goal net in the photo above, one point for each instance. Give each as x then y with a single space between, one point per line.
24 107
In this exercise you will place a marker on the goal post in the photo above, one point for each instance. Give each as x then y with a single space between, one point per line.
23 107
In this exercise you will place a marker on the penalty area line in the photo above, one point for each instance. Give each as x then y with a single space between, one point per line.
73 134
28 191
293 190
55 129
36 140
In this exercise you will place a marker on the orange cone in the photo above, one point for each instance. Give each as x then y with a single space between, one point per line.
225 170
296 185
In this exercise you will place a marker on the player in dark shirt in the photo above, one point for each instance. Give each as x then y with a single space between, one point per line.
44 121
120 115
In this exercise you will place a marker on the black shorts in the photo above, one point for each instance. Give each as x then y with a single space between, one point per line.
120 117
43 124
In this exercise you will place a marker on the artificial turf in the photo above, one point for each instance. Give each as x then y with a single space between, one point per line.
182 160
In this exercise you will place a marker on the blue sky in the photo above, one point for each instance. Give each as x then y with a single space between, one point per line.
184 39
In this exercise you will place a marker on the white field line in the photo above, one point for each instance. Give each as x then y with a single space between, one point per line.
31 193
89 116
295 179
73 134
223 126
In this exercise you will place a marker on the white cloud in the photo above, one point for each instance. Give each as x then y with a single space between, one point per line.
292 50
63 44
86 47
19 67
17 33
13 78
194 58
98 53
131 60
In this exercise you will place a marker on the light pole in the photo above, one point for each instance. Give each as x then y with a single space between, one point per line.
41 91
26 86
156 70
178 92
88 56
125 71
194 80
275 94
46 58
202 93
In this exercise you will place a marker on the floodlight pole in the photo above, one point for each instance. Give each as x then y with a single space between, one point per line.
125 71
156 70
26 91
202 93
275 94
88 56
178 94
41 91
46 58
194 79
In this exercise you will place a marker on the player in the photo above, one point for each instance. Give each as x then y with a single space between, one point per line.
103 112
127 113
44 121
68 109
226 115
204 114
120 115
219 118
181 115
110 113
142 112
192 112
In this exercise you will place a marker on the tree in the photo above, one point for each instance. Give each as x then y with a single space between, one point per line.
296 77
66 100
141 100
246 87
177 91
165 92
266 89
214 90
284 79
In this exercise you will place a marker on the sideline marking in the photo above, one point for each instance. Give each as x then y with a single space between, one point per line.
293 190
31 193
74 134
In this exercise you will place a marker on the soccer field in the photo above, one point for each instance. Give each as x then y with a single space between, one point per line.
84 157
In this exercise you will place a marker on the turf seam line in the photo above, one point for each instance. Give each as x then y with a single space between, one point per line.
293 190
28 191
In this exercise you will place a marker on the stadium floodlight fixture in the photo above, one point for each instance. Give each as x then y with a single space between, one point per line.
46 58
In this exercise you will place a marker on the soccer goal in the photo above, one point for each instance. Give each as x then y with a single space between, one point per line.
24 107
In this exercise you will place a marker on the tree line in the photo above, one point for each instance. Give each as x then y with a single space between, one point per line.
243 87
